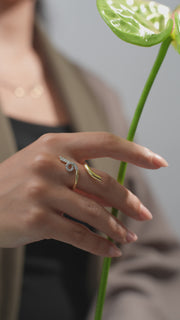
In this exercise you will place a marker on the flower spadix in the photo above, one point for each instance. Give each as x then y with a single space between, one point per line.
141 22
176 29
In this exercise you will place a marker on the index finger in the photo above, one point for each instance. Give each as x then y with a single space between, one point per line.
91 145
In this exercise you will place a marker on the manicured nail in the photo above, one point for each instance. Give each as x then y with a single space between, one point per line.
114 252
158 161
145 213
131 237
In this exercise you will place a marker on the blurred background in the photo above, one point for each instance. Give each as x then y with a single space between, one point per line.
76 28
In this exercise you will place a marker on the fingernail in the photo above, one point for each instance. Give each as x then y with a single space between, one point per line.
114 252
131 237
158 161
145 213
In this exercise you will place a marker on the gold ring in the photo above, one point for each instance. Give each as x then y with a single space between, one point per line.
91 173
70 167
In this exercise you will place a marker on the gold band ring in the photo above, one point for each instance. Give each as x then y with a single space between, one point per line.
70 167
91 173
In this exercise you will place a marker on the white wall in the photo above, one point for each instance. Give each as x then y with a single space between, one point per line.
77 29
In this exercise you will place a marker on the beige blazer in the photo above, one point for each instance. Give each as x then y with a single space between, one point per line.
145 282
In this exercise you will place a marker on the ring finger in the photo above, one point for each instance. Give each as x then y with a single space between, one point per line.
90 212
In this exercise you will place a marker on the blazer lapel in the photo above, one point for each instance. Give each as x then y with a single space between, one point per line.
11 260
80 102
7 142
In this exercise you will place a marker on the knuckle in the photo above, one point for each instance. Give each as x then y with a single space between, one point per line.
147 156
107 182
113 228
48 139
35 217
99 245
109 138
137 204
79 234
139 158
36 189
91 208
96 245
147 153
141 154
112 224
131 202
117 230
127 197
42 162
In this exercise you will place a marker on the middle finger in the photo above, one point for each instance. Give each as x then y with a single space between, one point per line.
110 192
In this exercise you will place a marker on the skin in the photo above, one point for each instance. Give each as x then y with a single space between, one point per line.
35 188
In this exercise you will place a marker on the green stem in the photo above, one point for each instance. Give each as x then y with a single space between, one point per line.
122 170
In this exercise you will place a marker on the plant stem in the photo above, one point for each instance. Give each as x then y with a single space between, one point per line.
122 170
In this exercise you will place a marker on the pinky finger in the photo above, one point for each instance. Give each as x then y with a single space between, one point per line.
71 232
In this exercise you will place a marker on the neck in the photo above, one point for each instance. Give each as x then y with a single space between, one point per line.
16 28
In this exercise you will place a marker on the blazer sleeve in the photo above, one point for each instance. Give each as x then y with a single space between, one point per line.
145 282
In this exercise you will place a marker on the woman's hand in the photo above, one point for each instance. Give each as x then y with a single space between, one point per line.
36 189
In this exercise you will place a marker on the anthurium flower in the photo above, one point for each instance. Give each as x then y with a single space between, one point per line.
141 22
144 23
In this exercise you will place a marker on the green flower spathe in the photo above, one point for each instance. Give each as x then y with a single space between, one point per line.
141 22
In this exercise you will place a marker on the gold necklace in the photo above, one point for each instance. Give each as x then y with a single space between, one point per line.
35 91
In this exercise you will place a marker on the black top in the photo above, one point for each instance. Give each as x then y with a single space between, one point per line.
55 273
